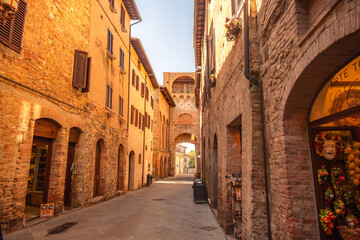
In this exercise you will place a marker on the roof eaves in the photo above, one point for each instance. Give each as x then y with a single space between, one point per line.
165 92
132 9
139 49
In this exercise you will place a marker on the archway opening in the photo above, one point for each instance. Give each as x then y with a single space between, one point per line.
99 178
45 135
120 168
131 175
187 154
183 85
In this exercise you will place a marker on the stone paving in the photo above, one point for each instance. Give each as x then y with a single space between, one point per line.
163 211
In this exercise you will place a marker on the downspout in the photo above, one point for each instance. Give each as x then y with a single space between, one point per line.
143 126
254 80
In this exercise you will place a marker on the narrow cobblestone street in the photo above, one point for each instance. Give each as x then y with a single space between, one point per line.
164 210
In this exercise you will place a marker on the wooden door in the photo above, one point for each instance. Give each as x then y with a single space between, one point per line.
97 171
69 165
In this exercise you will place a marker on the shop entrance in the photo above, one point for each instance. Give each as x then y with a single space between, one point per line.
334 129
40 164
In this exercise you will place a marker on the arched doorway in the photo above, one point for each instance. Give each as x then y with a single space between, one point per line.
161 167
131 171
120 168
45 132
99 179
334 127
301 128
71 167
215 173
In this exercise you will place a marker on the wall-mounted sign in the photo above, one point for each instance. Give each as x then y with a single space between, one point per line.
45 128
47 210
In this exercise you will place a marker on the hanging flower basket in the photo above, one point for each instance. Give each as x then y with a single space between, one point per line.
233 27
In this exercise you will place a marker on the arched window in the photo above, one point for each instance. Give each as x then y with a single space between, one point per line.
185 118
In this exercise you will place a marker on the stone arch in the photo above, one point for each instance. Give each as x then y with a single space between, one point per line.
183 137
183 84
304 84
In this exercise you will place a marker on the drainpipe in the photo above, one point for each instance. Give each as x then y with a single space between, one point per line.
255 81
128 116
143 160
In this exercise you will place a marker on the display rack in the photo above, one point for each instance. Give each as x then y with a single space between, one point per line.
235 185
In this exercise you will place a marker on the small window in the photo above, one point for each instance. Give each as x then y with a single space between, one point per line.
110 39
122 62
109 92
136 117
121 106
142 89
132 114
122 17
133 78
147 94
137 82
11 33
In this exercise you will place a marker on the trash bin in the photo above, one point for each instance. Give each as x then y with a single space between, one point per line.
199 188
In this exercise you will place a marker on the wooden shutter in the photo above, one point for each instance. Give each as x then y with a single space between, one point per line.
12 33
121 59
137 82
133 78
140 118
87 87
143 125
110 42
147 94
148 121
111 3
142 89
107 96
132 114
136 117
80 69
145 119
152 102
122 17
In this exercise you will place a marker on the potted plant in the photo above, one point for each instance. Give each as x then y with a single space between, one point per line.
212 80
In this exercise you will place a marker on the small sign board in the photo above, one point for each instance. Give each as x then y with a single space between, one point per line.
47 210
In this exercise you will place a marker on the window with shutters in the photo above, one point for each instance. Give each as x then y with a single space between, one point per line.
132 114
136 117
11 33
137 82
140 122
81 74
122 60
122 19
147 94
110 40
121 106
133 82
142 89
109 92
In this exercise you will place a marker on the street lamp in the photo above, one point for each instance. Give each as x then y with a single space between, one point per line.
8 9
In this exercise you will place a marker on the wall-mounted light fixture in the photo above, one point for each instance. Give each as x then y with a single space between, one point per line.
8 9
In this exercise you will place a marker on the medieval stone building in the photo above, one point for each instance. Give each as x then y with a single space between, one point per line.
277 80
184 118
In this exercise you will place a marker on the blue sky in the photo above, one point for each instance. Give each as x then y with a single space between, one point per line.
166 32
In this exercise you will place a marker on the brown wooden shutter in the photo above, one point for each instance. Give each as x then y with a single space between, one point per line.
137 82
142 89
133 78
12 33
80 69
132 114
148 121
143 125
145 119
136 117
122 17
152 102
87 88
140 118
111 93
147 94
